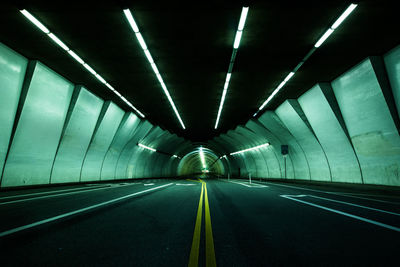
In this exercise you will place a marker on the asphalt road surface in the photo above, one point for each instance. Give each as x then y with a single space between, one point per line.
199 222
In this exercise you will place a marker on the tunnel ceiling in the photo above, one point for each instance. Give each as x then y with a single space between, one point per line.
192 46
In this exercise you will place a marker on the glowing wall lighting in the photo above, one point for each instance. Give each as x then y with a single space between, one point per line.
250 149
146 147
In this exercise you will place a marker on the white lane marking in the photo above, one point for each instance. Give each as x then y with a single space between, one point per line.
365 198
148 184
185 184
50 192
21 228
331 193
249 185
57 195
343 213
355 205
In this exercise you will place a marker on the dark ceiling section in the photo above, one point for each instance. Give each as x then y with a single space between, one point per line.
192 45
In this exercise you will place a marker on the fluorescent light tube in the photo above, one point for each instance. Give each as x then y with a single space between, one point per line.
146 147
35 21
148 55
155 69
221 104
58 41
89 69
76 57
159 78
142 43
141 40
290 75
110 87
243 16
237 39
131 21
226 85
228 77
324 37
345 14
100 79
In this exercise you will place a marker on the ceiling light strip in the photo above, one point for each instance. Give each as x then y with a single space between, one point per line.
60 43
320 41
135 28
203 161
236 44
250 149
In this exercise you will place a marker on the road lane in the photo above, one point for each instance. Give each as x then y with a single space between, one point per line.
249 226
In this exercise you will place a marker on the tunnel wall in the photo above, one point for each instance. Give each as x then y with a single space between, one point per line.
346 130
53 131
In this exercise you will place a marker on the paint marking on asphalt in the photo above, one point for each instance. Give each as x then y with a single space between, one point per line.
210 252
343 213
148 184
194 252
185 184
51 192
356 205
249 185
55 218
331 193
57 195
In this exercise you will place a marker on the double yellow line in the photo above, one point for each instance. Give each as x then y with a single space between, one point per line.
194 252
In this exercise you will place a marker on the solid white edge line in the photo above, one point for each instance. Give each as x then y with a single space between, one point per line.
49 192
31 225
345 214
56 195
355 205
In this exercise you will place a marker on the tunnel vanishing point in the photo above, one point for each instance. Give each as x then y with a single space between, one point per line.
128 140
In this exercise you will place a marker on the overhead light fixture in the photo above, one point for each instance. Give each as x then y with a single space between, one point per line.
60 43
250 149
323 38
80 61
135 28
320 41
236 43
35 21
345 14
203 161
146 147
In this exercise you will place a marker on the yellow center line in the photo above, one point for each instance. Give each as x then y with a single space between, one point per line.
210 253
194 252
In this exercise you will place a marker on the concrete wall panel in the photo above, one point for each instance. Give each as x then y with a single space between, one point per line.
325 123
78 132
125 131
12 73
301 167
370 123
392 64
39 128
107 126
291 115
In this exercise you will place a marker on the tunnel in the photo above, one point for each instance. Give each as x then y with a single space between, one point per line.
233 134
